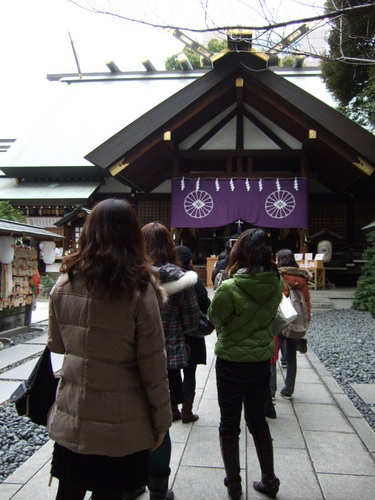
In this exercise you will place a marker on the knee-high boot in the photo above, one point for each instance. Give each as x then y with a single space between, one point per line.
186 413
231 457
158 485
269 484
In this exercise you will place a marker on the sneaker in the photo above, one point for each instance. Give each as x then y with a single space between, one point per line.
284 364
286 395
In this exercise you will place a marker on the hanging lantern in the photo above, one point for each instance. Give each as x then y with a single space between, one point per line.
48 252
6 249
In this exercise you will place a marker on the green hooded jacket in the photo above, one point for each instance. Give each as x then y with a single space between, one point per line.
243 310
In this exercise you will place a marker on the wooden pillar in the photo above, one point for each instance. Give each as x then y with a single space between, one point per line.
304 231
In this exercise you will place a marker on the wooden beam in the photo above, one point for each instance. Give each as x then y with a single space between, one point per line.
240 107
118 167
215 129
255 153
250 166
310 141
304 166
271 135
169 143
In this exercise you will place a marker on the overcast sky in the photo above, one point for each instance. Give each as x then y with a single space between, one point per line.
34 41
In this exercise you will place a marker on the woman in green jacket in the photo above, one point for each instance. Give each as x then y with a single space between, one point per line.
243 309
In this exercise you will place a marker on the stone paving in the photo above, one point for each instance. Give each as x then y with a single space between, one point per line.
323 448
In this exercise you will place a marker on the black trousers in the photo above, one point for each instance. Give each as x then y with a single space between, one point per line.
238 384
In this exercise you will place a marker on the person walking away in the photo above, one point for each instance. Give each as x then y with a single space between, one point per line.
298 279
221 262
112 404
197 346
180 315
243 309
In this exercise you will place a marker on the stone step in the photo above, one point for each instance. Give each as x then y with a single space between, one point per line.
320 303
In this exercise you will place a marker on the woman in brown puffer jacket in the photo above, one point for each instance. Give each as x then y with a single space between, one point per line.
296 278
112 404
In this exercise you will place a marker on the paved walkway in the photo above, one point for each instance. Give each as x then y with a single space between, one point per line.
323 448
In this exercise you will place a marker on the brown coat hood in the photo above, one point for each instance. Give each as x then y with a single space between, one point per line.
297 278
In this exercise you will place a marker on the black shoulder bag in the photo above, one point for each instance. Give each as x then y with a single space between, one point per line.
35 396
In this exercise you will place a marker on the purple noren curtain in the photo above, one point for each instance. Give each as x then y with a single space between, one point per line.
265 203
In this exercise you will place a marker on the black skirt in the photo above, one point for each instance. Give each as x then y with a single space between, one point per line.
99 472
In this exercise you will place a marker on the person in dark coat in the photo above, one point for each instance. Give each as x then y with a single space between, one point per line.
197 345
222 261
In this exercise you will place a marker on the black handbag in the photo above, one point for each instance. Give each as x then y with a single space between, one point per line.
35 396
205 327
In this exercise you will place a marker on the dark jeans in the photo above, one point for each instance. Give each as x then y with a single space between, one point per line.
289 349
242 383
175 386
160 458
189 382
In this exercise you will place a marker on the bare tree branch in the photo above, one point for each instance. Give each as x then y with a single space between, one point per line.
271 26
265 36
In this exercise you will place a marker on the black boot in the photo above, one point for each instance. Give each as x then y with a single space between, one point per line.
269 484
187 415
270 411
133 494
158 486
231 457
176 414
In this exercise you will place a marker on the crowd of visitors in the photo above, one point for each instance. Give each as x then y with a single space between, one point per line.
126 313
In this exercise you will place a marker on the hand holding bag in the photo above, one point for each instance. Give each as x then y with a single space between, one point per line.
35 396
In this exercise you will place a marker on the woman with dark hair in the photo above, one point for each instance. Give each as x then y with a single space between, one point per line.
180 315
298 279
243 309
197 346
112 404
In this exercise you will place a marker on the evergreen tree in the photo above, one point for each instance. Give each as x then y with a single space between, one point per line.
349 80
214 45
7 212
365 291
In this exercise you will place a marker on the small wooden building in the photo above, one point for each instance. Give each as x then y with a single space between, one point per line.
19 278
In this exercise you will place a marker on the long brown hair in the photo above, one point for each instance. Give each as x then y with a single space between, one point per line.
159 244
253 252
111 253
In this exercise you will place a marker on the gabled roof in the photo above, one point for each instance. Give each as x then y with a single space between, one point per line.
47 192
11 228
83 113
78 212
239 90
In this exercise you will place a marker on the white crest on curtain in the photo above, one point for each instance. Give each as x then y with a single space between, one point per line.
260 185
197 184
278 184
217 185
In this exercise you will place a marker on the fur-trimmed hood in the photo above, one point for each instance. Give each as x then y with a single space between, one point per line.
160 292
174 280
295 271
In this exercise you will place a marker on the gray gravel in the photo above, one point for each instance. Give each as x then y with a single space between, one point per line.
344 341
